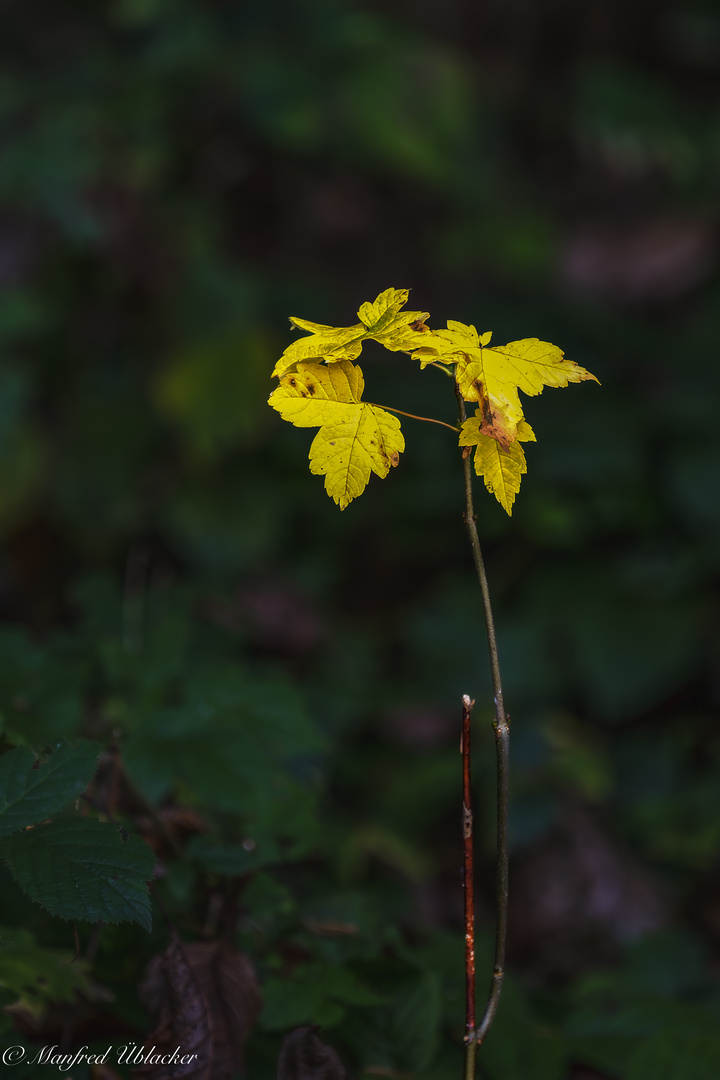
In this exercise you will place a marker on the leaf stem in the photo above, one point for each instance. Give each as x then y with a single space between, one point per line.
441 367
501 725
468 879
437 366
427 419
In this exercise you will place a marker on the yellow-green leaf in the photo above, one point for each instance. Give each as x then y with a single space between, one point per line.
355 437
311 327
381 321
375 316
331 343
492 376
501 470
401 335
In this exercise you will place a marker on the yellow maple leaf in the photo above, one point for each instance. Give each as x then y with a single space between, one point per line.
492 376
355 437
501 470
381 321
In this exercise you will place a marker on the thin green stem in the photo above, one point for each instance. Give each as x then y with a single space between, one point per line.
427 419
450 372
469 893
501 725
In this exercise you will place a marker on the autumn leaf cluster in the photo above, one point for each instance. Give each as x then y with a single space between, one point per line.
321 386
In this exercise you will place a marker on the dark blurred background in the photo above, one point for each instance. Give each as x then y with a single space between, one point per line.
176 179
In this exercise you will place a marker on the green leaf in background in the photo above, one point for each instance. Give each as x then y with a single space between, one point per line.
648 1012
517 1045
212 398
675 1055
79 868
233 859
226 741
416 1023
41 687
29 794
314 994
34 976
22 464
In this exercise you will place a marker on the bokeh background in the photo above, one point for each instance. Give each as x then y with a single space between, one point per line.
282 680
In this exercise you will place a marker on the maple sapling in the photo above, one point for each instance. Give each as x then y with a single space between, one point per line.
321 386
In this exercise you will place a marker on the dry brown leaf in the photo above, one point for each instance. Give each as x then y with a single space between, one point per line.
204 998
304 1056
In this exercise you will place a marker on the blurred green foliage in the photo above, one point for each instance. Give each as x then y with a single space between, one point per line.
280 681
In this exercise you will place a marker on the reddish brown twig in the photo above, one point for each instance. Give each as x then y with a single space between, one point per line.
414 416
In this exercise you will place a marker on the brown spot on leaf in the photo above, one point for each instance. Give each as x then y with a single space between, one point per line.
491 425
311 388
419 327
494 431
394 458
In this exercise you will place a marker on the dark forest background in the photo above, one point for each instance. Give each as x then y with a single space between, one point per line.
276 684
